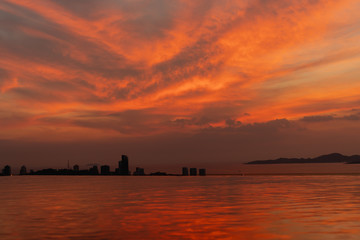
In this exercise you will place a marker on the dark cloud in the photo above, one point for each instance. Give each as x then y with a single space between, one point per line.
232 123
326 118
352 117
13 118
150 121
4 76
85 8
34 95
323 60
322 105
319 118
195 121
55 92
154 21
253 129
191 61
62 86
127 122
211 114
83 83
18 36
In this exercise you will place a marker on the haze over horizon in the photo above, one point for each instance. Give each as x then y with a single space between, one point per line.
208 83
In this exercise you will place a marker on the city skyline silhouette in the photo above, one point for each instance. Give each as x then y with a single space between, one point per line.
121 170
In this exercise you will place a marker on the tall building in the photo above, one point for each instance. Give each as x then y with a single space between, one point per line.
123 166
6 170
193 171
105 170
23 170
185 171
202 172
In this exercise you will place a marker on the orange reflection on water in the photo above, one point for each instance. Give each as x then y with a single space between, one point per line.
257 207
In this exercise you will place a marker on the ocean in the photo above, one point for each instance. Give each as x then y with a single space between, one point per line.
175 207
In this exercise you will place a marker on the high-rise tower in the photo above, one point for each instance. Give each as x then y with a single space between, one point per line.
123 166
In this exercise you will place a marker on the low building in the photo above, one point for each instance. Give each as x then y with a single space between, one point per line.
23 170
185 171
76 168
6 170
139 172
94 170
193 171
105 170
202 172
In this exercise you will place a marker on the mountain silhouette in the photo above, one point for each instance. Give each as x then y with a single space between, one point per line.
329 158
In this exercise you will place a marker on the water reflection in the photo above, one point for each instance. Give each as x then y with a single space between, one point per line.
257 207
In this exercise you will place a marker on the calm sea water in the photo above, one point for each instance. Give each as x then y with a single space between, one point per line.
211 207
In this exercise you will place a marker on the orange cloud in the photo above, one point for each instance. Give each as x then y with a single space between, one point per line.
135 68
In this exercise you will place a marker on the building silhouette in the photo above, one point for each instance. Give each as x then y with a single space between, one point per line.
202 172
185 171
105 170
139 172
76 168
6 170
94 170
123 166
23 170
193 171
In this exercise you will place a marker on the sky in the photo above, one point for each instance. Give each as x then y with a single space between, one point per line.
201 83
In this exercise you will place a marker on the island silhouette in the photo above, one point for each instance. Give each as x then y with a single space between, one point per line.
329 158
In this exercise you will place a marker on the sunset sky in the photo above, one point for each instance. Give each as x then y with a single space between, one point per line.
204 83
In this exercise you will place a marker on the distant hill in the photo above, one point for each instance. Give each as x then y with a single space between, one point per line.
329 158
